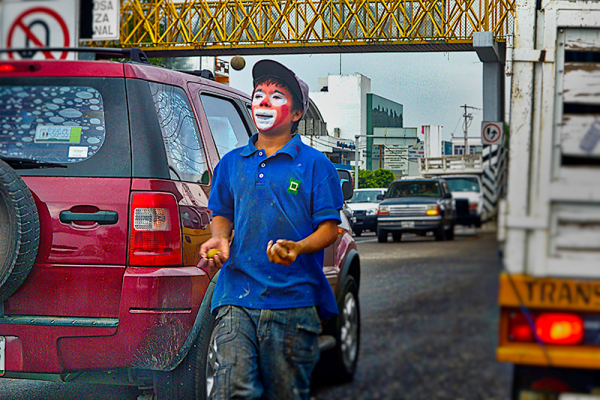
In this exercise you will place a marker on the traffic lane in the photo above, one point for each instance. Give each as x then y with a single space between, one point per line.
429 322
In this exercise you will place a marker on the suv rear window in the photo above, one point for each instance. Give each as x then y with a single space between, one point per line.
63 124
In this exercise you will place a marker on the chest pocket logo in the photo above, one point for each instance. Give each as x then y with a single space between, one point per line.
293 187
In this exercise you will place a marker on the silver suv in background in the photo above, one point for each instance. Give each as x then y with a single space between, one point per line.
416 206
364 204
467 191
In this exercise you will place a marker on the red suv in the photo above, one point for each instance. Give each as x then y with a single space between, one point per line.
105 173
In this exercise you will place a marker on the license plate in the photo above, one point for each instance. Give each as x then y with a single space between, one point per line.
407 224
575 396
2 354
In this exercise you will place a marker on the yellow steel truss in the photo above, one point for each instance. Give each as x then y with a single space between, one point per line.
306 26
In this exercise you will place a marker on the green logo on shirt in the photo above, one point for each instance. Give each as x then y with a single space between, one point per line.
294 185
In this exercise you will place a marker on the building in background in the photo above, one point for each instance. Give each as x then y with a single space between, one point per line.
474 143
349 109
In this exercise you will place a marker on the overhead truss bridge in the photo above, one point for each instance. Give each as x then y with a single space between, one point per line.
243 27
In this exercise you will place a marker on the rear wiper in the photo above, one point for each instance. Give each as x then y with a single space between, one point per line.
28 163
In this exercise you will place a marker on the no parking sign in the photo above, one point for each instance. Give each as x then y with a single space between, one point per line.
33 25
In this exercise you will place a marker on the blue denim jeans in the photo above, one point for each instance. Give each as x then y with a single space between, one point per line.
264 354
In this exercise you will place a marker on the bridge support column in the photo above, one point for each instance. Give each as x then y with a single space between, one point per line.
492 55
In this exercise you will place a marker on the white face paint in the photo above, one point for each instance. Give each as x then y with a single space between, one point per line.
264 119
277 99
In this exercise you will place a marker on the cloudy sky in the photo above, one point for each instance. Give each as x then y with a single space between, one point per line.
431 86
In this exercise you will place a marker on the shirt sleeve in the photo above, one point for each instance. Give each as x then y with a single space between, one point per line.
221 201
327 197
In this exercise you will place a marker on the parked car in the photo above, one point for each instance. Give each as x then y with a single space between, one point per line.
105 172
467 191
364 204
417 206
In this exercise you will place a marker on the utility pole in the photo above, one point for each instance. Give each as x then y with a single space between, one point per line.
467 116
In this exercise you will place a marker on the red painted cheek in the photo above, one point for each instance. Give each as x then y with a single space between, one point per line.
283 112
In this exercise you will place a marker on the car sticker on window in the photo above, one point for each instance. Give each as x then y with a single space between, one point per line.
54 134
78 151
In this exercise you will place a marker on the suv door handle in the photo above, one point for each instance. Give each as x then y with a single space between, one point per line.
101 217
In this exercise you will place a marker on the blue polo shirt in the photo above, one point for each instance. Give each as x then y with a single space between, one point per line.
284 196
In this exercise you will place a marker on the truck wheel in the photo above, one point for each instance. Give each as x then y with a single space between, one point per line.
192 377
339 363
450 232
382 235
19 231
397 236
440 233
358 232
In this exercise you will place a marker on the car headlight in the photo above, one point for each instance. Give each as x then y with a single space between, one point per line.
372 211
384 210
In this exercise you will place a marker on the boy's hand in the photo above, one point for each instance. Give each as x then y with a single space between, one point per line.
283 251
220 244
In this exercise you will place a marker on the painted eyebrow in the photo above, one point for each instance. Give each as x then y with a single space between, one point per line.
281 93
258 90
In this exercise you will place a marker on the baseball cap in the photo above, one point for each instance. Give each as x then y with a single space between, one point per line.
270 68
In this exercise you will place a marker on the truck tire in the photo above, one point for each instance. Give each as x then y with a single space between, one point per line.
397 236
440 232
450 232
189 380
382 235
339 363
19 231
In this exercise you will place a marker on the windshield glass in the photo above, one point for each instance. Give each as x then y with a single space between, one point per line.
463 184
413 189
365 196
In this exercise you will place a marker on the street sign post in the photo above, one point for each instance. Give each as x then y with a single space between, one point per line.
106 19
492 132
37 24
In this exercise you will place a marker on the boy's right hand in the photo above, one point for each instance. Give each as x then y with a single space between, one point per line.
220 244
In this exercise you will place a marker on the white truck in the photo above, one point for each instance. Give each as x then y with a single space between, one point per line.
465 175
549 225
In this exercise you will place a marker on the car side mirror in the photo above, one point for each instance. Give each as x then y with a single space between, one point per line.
380 196
347 190
448 195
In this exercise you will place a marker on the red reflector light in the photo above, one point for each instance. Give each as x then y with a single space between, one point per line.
155 237
559 328
7 68
519 329
472 206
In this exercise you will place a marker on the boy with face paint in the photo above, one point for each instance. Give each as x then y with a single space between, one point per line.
282 199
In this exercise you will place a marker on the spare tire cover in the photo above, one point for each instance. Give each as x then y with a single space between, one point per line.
19 231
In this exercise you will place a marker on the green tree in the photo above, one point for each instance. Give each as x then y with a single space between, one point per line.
380 178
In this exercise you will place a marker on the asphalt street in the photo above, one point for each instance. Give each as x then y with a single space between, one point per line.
429 321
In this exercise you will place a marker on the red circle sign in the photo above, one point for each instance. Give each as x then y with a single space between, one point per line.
491 133
45 12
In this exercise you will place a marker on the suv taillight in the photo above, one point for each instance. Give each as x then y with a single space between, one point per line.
155 237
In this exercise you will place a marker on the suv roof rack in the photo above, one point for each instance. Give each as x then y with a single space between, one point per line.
134 54
204 73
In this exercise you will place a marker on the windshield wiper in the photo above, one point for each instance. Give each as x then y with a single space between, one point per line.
28 163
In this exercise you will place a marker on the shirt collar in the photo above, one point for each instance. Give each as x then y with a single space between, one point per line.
291 148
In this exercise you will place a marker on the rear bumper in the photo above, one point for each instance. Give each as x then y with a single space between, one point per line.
157 312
